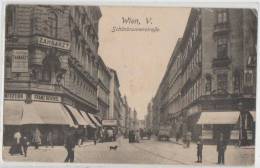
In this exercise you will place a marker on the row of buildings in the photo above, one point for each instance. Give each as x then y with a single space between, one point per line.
54 76
209 87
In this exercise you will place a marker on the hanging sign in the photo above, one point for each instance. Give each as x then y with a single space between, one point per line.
15 96
19 61
47 98
52 43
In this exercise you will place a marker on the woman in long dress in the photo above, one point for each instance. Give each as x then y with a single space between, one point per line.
119 138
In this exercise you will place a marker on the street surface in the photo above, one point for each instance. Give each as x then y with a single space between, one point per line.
145 152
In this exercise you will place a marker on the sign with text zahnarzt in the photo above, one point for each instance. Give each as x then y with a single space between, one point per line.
52 42
46 98
20 61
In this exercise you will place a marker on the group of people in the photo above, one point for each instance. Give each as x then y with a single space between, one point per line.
134 136
21 142
221 148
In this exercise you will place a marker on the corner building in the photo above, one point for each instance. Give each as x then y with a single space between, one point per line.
209 87
51 69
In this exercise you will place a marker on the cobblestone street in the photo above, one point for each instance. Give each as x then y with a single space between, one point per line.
145 152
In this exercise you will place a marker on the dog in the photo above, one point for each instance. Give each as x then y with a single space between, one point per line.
113 147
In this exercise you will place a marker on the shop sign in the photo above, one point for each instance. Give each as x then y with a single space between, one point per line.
207 134
20 61
52 43
234 135
15 96
109 122
47 98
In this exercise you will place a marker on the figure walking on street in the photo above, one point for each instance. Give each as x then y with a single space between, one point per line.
221 148
16 148
188 139
199 150
70 143
37 138
95 136
25 144
49 139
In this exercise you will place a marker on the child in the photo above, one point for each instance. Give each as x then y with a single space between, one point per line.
199 150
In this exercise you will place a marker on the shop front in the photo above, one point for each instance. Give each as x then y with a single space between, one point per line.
215 123
46 113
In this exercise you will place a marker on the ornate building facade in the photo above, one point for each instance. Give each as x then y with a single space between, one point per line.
51 66
209 85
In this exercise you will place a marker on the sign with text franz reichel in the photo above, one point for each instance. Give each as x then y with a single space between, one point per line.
20 61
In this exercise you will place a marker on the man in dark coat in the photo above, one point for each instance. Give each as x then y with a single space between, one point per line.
221 148
70 143
199 150
25 144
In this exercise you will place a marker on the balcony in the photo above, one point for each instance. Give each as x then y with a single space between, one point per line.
221 28
221 62
32 86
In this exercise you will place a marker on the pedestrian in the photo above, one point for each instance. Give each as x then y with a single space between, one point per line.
119 138
129 136
24 143
221 148
36 138
137 136
95 137
49 139
70 143
199 150
188 139
101 135
16 148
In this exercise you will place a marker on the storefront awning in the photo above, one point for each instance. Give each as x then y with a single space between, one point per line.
12 113
46 113
92 117
89 122
76 115
253 115
229 117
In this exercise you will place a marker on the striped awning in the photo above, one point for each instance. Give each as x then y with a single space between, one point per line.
93 118
89 122
228 117
76 114
253 114
20 113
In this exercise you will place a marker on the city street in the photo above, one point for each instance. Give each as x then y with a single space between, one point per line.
145 152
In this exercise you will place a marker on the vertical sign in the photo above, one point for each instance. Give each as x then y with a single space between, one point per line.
20 61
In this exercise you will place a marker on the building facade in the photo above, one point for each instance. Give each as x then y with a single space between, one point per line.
209 85
50 63
149 117
115 100
103 89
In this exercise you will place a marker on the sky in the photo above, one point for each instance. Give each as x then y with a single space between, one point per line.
140 58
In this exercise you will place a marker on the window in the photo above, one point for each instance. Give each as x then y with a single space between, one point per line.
222 81
10 20
53 21
208 84
222 47
46 74
248 77
236 82
222 16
